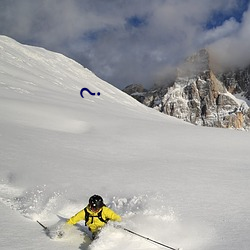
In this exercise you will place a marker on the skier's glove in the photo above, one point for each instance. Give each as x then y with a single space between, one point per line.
118 226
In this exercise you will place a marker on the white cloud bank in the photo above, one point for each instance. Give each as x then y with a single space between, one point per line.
129 41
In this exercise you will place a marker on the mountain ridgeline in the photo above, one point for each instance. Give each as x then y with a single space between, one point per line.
202 95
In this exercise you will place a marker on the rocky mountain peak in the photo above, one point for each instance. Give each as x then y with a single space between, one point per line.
200 96
196 64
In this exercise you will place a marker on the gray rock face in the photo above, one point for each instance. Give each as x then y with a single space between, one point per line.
200 97
237 81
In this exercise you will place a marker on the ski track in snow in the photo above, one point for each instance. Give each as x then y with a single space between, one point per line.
43 117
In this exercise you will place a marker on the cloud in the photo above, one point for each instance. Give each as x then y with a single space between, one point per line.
121 41
228 28
233 49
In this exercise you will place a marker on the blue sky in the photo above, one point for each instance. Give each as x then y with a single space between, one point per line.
218 17
131 41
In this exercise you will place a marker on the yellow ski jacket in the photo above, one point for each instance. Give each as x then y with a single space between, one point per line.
94 223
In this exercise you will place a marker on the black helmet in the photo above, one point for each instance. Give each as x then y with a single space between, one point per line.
95 202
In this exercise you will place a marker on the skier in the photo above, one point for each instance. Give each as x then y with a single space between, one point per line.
95 214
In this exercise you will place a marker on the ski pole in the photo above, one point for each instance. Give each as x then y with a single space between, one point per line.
45 228
146 238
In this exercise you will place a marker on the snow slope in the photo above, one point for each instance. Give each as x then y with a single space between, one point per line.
173 182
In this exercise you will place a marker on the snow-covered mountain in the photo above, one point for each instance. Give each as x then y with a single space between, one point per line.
201 95
182 185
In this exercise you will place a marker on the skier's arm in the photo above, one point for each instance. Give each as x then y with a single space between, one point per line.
77 217
110 214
